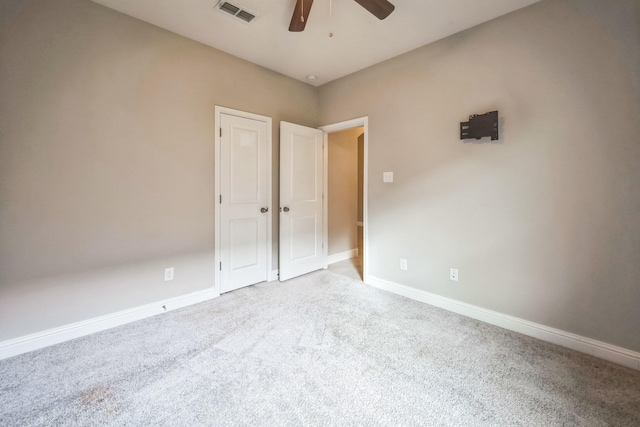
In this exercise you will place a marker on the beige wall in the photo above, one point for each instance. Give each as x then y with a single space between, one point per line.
106 159
542 225
342 187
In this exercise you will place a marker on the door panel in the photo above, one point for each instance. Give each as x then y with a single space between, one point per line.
244 252
303 242
303 164
244 166
243 181
301 187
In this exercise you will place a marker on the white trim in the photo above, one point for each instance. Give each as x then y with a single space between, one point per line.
71 331
342 256
274 275
217 246
612 353
336 127
325 198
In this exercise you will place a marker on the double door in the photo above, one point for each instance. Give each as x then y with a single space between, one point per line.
245 205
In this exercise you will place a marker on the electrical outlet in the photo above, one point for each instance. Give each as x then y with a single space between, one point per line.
168 274
403 264
453 274
387 176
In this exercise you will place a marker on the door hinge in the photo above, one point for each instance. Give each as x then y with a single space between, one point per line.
221 199
220 131
220 266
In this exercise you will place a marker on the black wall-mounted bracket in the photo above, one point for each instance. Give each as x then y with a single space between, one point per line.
479 126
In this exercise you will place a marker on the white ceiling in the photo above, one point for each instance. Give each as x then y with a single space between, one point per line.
359 40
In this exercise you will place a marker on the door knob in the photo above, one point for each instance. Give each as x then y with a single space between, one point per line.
264 210
286 209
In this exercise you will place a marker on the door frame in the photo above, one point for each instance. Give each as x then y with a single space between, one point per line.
216 214
337 127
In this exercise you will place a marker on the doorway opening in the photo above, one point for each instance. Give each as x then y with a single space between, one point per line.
345 180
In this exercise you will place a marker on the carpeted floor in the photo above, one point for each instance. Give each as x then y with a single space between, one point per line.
322 349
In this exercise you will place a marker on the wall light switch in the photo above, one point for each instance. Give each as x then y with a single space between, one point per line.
168 274
387 176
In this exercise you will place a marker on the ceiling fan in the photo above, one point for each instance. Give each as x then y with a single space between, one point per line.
379 8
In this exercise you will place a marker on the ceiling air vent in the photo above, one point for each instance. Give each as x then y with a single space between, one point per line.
245 16
234 10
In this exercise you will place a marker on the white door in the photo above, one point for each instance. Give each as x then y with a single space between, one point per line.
243 202
301 207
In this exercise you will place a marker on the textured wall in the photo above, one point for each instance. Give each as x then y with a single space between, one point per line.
542 224
107 156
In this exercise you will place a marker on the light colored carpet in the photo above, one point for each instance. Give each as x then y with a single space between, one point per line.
350 267
322 349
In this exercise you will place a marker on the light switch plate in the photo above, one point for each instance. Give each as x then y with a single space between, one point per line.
387 176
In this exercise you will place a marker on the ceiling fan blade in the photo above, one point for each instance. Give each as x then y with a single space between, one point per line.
379 8
301 10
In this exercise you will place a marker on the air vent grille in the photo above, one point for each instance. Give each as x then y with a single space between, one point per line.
229 8
234 10
245 16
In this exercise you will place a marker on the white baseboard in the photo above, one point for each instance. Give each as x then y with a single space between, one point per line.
590 346
71 331
342 256
619 355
